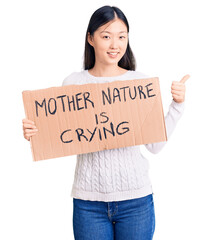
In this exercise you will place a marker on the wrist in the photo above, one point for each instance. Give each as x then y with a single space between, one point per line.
178 105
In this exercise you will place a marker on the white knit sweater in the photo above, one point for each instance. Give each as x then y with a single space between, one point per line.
121 173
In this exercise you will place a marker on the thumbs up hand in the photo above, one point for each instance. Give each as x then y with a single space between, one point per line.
178 89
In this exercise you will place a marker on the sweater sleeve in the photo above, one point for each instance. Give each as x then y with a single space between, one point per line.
174 114
70 79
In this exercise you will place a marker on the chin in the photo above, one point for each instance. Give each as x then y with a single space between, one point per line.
114 61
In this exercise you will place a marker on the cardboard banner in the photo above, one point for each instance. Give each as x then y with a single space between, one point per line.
78 119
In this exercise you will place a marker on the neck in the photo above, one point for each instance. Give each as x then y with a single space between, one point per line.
106 70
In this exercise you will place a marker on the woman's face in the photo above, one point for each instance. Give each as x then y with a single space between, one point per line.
109 42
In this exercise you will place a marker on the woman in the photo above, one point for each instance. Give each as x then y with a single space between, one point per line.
112 192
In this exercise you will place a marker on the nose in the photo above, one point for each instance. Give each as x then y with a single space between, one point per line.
113 44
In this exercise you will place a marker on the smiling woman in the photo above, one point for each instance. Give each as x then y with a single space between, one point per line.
112 192
107 44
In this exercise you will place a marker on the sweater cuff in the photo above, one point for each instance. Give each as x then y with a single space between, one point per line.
178 106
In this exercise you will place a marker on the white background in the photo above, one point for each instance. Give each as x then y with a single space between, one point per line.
42 42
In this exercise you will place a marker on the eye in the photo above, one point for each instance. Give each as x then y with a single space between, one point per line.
106 37
122 37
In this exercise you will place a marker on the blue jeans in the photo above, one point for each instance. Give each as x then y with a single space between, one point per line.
132 219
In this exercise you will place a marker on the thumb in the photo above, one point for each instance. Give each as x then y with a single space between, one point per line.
185 78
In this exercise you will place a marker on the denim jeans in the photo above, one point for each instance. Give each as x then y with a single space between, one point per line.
132 219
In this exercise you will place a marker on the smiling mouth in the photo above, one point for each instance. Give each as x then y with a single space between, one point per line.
113 53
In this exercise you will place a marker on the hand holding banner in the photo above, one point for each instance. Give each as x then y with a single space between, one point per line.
78 119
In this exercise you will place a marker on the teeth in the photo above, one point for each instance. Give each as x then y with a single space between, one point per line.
113 53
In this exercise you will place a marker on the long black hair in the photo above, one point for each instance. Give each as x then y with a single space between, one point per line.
100 17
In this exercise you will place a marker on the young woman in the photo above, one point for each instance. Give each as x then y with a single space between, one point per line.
112 192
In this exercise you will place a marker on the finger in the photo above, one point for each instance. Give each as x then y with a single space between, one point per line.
177 98
178 87
174 83
30 126
25 120
27 138
31 130
177 92
185 78
28 135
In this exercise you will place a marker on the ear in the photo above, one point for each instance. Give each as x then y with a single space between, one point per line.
90 39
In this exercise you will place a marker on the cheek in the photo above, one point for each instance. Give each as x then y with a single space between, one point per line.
100 48
125 44
124 48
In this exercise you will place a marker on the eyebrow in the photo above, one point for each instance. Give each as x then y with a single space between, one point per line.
110 32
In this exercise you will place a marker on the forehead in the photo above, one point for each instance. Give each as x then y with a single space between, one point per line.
116 25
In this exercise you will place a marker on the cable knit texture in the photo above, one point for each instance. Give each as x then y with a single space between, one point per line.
121 173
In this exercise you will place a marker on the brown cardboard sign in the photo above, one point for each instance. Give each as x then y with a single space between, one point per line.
78 119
